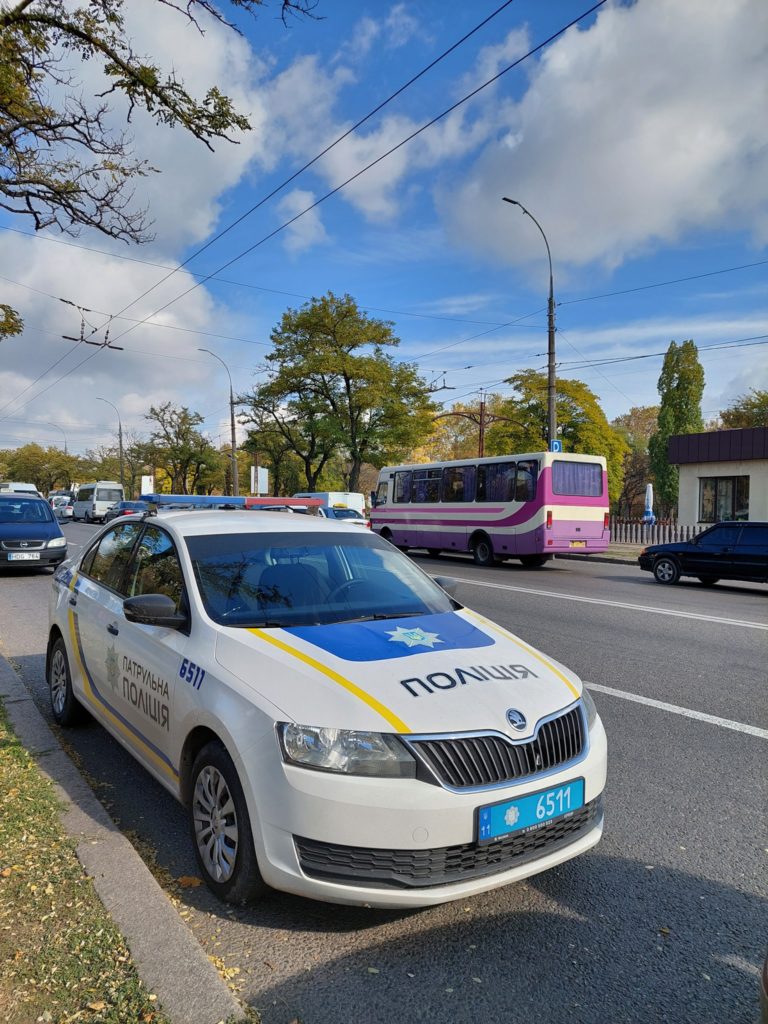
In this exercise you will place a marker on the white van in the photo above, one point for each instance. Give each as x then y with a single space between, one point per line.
18 487
93 500
337 499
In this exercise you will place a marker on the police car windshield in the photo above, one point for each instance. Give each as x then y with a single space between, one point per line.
304 579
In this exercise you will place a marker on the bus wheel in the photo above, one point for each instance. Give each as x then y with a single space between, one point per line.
386 535
534 561
434 552
482 550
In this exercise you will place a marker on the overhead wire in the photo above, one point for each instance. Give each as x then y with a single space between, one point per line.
339 187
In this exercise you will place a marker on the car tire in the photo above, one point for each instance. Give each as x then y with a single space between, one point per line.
666 570
709 581
87 517
65 707
223 842
533 561
482 550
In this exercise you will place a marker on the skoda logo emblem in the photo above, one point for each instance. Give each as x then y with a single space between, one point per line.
516 719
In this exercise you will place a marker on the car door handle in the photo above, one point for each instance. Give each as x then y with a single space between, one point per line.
112 628
73 601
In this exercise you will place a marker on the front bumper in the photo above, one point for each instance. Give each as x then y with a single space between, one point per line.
405 843
47 557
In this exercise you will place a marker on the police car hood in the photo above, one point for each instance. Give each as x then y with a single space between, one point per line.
454 671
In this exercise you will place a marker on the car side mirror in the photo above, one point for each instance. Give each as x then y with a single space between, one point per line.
154 610
448 584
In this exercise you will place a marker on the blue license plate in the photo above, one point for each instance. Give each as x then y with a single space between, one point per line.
528 813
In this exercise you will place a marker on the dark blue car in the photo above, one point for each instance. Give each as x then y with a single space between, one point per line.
726 551
29 534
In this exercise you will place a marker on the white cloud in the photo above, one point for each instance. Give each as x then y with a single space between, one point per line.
646 126
307 230
400 27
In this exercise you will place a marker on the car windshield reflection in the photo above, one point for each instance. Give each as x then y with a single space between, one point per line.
296 579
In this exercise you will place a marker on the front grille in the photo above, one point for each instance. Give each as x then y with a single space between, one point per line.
466 761
23 545
420 869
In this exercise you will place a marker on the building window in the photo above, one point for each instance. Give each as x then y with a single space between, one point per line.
723 498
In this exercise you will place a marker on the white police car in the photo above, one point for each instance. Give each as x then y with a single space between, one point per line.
337 725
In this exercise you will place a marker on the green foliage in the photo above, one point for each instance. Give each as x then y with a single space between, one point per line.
60 161
10 322
681 385
582 423
46 468
638 425
334 389
750 410
179 449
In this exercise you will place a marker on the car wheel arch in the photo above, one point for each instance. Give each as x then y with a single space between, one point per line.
197 738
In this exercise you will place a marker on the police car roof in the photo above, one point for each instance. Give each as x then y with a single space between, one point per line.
200 522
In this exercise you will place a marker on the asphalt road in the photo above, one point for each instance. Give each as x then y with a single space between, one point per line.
665 920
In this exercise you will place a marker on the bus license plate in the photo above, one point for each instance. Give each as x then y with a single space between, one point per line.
578 543
24 556
528 813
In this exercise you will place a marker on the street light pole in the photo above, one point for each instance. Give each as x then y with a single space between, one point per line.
235 481
119 438
551 380
62 433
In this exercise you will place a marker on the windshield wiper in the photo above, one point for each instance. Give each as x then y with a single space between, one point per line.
379 616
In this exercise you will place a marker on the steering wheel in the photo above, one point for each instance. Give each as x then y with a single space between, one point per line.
343 590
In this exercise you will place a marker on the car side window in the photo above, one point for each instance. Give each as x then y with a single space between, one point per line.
106 562
155 569
720 537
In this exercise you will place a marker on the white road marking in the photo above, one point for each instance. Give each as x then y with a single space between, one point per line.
724 723
615 604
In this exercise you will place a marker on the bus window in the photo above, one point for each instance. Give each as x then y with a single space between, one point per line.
425 487
525 484
496 482
459 483
381 494
577 478
402 489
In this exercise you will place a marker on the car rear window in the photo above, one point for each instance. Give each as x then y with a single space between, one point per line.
108 494
583 479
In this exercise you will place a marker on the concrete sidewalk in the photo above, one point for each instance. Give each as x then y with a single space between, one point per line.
167 956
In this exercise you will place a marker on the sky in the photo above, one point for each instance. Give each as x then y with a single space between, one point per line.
636 138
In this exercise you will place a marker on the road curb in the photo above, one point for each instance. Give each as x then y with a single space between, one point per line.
168 958
615 559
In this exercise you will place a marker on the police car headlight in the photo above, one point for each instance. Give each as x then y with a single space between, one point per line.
345 751
57 542
589 707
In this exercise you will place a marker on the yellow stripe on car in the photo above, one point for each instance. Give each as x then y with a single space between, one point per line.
93 698
397 723
535 654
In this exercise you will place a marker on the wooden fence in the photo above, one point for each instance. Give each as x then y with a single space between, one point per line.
624 532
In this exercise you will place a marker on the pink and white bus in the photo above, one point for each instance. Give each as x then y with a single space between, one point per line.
528 506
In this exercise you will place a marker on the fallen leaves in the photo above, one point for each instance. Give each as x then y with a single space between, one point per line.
189 881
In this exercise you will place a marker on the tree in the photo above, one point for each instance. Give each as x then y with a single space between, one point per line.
59 161
582 422
681 385
10 321
178 448
335 389
46 468
637 426
750 410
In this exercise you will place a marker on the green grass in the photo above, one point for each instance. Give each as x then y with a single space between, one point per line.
61 957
